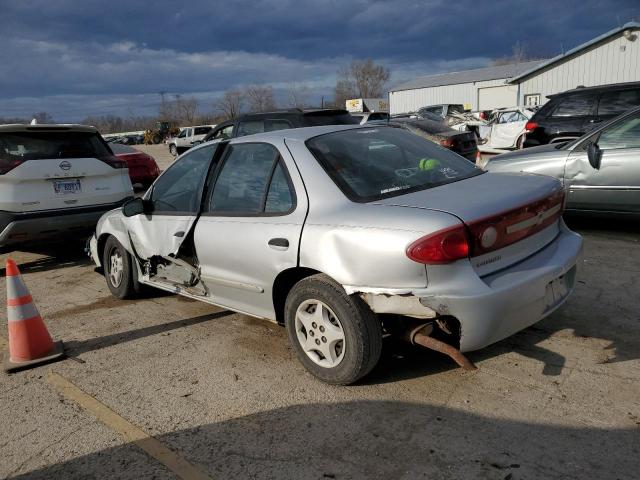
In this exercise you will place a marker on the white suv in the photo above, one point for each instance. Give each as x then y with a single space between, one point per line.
187 138
55 182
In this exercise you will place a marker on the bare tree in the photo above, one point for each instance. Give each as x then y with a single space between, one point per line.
185 109
520 52
361 79
43 117
260 98
230 104
298 94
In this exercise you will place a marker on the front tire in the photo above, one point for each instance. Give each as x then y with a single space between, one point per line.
119 270
336 336
173 150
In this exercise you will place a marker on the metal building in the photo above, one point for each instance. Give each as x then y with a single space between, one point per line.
613 57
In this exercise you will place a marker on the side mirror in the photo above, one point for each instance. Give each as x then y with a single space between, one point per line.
595 155
136 206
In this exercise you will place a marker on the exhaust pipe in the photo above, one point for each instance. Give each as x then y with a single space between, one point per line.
420 335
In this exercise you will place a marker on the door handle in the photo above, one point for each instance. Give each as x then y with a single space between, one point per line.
279 243
178 234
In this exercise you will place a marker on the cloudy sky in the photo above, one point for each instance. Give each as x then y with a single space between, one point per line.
75 58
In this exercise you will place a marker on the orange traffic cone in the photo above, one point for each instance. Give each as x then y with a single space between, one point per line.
29 341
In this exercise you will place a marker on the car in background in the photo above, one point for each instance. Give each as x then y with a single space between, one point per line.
55 182
344 233
253 123
366 117
462 143
442 110
571 114
143 169
600 170
187 138
505 128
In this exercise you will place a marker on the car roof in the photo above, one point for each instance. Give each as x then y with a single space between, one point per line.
302 134
47 127
597 88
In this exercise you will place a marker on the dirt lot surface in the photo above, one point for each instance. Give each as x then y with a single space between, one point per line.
159 152
166 387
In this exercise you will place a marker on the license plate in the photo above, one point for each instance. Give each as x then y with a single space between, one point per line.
64 187
557 290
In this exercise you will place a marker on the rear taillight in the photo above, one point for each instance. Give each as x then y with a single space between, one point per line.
113 161
482 116
446 143
512 226
444 246
530 126
7 165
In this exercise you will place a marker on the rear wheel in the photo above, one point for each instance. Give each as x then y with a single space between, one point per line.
156 139
336 336
119 270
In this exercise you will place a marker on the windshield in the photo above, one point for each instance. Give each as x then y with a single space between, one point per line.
373 163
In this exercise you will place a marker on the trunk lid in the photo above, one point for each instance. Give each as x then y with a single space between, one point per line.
509 216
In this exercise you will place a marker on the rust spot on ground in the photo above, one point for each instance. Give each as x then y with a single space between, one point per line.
100 304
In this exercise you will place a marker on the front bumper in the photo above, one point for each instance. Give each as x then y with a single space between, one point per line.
49 225
496 306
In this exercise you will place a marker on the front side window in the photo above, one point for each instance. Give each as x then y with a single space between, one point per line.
252 181
183 133
625 134
202 130
575 106
179 189
374 163
617 102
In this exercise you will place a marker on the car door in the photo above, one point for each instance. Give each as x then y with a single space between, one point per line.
615 185
175 200
250 227
505 132
568 119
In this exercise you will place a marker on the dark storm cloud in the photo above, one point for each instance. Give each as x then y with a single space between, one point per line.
65 49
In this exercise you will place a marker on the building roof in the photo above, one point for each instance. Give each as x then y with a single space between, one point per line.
576 50
495 72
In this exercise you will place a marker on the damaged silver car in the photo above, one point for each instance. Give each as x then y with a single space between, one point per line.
343 233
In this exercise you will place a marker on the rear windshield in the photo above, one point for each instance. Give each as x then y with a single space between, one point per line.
48 145
319 118
120 148
374 163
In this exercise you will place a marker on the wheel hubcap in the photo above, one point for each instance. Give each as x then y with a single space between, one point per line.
320 333
115 268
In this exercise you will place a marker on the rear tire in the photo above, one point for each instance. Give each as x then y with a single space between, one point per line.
336 336
156 139
119 270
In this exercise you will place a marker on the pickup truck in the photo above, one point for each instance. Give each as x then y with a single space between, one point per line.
188 137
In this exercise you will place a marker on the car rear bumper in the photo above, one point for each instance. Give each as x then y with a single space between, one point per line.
50 225
494 307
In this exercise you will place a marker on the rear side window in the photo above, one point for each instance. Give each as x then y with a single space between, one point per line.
277 124
617 102
574 106
250 127
51 145
252 181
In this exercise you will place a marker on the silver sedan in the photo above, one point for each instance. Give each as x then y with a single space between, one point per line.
601 170
343 233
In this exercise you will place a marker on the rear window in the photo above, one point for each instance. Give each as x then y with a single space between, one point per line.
374 163
575 106
120 148
318 119
47 145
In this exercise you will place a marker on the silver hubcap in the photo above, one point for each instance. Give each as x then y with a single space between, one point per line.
320 333
116 268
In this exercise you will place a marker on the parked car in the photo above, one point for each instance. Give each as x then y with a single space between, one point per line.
55 182
505 128
143 169
279 120
366 117
340 232
600 170
442 110
571 114
187 138
463 143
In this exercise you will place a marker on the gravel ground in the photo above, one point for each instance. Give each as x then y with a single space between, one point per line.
226 393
